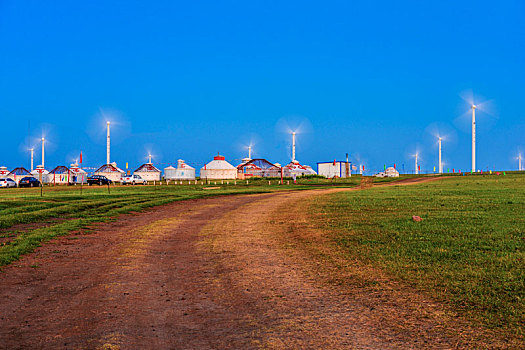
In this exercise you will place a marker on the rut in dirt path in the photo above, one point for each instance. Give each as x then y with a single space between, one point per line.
199 274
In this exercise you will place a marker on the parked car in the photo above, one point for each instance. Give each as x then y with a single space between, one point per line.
98 180
133 180
29 181
7 182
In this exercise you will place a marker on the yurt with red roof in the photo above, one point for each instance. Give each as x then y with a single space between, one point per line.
218 169
148 172
111 171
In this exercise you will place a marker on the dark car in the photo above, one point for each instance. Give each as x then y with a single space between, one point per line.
98 180
28 181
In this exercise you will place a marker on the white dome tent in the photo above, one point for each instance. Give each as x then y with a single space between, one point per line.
78 175
41 170
219 169
182 172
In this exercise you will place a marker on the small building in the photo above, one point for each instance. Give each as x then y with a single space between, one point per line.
59 176
3 172
148 172
257 168
40 170
18 173
389 172
334 169
111 171
297 169
218 168
78 175
182 172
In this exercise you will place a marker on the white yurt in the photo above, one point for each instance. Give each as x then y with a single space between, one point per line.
148 172
391 172
182 172
40 170
218 168
78 175
297 169
3 172
111 171
169 172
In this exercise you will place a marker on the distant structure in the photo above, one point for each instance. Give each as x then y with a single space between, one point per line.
389 172
257 168
59 175
218 168
18 173
295 168
148 172
40 170
334 169
78 175
182 172
111 171
3 172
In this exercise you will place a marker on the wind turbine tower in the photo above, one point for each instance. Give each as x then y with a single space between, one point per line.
43 142
107 144
519 162
473 138
32 154
250 152
440 163
417 171
293 146
149 158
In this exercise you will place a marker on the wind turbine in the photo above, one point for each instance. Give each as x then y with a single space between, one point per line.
293 146
416 156
32 149
519 162
440 162
149 158
43 143
107 143
473 106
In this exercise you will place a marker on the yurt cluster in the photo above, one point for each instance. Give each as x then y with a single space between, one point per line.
217 169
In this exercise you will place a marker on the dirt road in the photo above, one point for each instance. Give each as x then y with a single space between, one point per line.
203 274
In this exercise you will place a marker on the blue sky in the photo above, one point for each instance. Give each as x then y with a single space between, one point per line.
190 79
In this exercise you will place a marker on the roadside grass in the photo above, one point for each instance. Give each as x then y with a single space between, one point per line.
468 251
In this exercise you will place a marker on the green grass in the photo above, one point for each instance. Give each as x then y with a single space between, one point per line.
468 250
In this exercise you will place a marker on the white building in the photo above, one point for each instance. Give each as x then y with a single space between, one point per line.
78 175
182 172
334 169
389 172
218 168
3 172
297 169
40 170
148 172
111 171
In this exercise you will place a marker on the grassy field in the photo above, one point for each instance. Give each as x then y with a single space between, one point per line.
468 250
